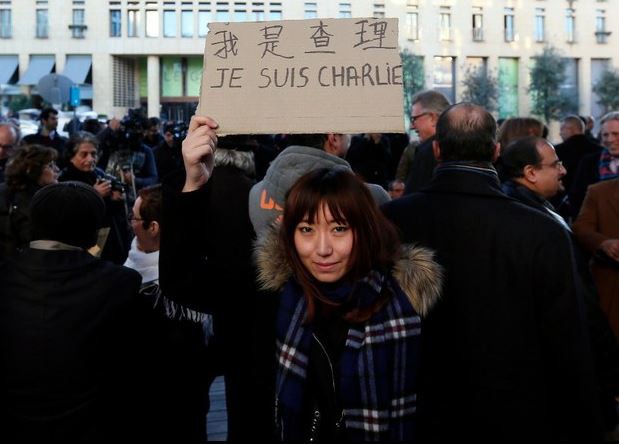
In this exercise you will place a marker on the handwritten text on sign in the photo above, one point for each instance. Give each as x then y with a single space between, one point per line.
319 75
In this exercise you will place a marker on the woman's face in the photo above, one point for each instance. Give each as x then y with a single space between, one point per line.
325 246
49 175
85 158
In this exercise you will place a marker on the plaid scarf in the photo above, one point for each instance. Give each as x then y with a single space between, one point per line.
378 367
605 171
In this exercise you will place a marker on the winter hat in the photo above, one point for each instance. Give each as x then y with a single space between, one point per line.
68 212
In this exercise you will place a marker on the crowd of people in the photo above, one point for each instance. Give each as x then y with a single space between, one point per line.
360 288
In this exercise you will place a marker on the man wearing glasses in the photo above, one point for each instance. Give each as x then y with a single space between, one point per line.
427 106
533 174
8 141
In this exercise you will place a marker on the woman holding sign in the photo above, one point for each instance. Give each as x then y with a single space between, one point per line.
348 318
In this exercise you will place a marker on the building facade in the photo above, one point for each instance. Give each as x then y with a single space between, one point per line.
130 53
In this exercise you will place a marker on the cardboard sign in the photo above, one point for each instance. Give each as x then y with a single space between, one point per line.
303 76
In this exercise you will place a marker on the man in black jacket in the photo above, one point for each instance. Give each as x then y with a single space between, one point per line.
48 134
71 328
533 175
506 353
575 146
427 106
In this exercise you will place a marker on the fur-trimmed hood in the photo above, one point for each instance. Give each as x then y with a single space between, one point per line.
419 276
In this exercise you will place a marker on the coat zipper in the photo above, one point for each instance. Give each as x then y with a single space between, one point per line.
339 423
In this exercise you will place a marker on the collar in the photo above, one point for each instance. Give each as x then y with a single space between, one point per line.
51 245
473 178
525 195
147 264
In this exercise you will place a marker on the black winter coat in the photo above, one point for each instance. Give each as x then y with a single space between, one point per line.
205 263
73 355
506 353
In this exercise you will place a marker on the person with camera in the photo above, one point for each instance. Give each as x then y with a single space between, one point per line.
81 152
168 156
125 156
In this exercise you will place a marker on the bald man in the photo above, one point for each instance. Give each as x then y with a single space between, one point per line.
575 146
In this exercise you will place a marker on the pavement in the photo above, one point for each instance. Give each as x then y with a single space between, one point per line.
217 418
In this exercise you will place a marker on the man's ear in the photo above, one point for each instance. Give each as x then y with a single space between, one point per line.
154 228
330 143
436 150
529 173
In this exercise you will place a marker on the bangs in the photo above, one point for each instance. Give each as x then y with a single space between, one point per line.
306 205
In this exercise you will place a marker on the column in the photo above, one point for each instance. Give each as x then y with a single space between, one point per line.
154 96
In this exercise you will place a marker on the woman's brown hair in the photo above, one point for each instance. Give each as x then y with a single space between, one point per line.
376 243
26 166
518 128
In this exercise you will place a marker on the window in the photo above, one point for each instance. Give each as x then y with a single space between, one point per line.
123 86
569 87
311 11
222 15
508 23
540 24
444 76
5 24
115 23
275 12
78 27
412 23
478 24
169 23
379 10
152 23
445 23
186 23
570 25
258 11
508 87
240 12
601 34
345 11
204 17
42 23
133 22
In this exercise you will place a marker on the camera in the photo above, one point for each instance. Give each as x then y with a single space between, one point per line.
132 128
178 130
116 184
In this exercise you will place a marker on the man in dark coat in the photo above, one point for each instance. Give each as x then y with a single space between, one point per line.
533 174
48 134
505 352
205 264
575 146
427 106
69 329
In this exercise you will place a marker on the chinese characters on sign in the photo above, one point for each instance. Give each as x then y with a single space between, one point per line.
303 76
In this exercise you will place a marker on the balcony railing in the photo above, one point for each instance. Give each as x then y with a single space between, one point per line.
77 31
478 34
602 36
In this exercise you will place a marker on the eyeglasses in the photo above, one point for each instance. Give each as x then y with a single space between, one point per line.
413 118
131 217
7 147
51 166
556 164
